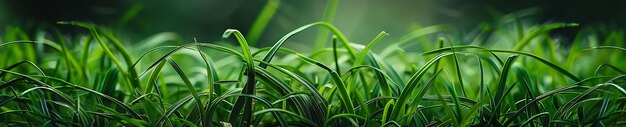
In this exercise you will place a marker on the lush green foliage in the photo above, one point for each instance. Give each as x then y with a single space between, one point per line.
502 74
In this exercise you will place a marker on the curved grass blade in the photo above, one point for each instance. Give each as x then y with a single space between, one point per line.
95 33
270 54
414 35
552 65
546 95
277 111
420 94
216 47
215 102
343 92
343 115
501 92
536 116
363 54
539 31
410 86
249 88
192 90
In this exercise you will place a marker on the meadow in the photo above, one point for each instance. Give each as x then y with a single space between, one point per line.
507 73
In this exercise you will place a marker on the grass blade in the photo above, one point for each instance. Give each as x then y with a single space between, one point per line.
249 88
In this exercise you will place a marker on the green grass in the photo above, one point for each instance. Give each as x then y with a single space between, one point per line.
502 74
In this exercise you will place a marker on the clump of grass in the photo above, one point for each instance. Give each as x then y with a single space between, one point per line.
491 79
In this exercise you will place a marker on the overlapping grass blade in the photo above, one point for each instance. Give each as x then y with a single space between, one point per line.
249 88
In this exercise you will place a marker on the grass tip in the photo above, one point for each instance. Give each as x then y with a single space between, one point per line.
441 39
228 32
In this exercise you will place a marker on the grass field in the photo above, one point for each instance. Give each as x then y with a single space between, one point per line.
508 73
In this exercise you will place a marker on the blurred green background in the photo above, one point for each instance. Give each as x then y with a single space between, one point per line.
360 20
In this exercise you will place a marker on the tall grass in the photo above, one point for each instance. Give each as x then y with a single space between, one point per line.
492 77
